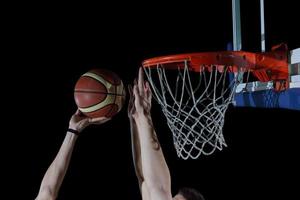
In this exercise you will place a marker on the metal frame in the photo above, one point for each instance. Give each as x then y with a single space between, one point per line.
262 94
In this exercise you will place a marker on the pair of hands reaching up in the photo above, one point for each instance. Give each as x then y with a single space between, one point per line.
139 97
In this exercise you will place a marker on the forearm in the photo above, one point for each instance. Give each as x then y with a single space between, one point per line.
58 168
136 151
155 170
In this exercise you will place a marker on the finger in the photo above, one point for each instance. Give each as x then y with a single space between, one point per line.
147 85
131 98
105 120
84 123
141 80
77 112
101 121
130 91
136 94
135 90
98 119
130 95
80 114
149 96
148 91
131 104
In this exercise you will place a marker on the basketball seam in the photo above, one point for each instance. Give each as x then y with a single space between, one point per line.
109 113
111 108
94 105
86 91
114 102
98 80
99 109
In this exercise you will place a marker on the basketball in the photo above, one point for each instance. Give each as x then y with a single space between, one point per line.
99 93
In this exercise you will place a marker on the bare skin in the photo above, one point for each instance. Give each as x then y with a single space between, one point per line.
150 165
55 174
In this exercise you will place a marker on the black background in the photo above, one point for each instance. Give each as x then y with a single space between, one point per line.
50 46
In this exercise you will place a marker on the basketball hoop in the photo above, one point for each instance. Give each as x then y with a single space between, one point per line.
195 110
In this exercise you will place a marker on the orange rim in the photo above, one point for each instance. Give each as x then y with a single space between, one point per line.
266 66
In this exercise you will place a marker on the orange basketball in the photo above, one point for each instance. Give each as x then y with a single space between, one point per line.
99 93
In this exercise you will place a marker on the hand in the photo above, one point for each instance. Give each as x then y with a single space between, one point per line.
131 108
140 97
79 121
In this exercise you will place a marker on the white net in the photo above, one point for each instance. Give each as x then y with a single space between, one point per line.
194 110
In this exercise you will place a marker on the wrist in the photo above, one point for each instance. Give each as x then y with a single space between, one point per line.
71 137
73 131
142 119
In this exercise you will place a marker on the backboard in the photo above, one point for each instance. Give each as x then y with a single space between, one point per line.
262 94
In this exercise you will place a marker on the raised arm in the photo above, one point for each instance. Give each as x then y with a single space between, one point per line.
56 172
136 147
155 170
